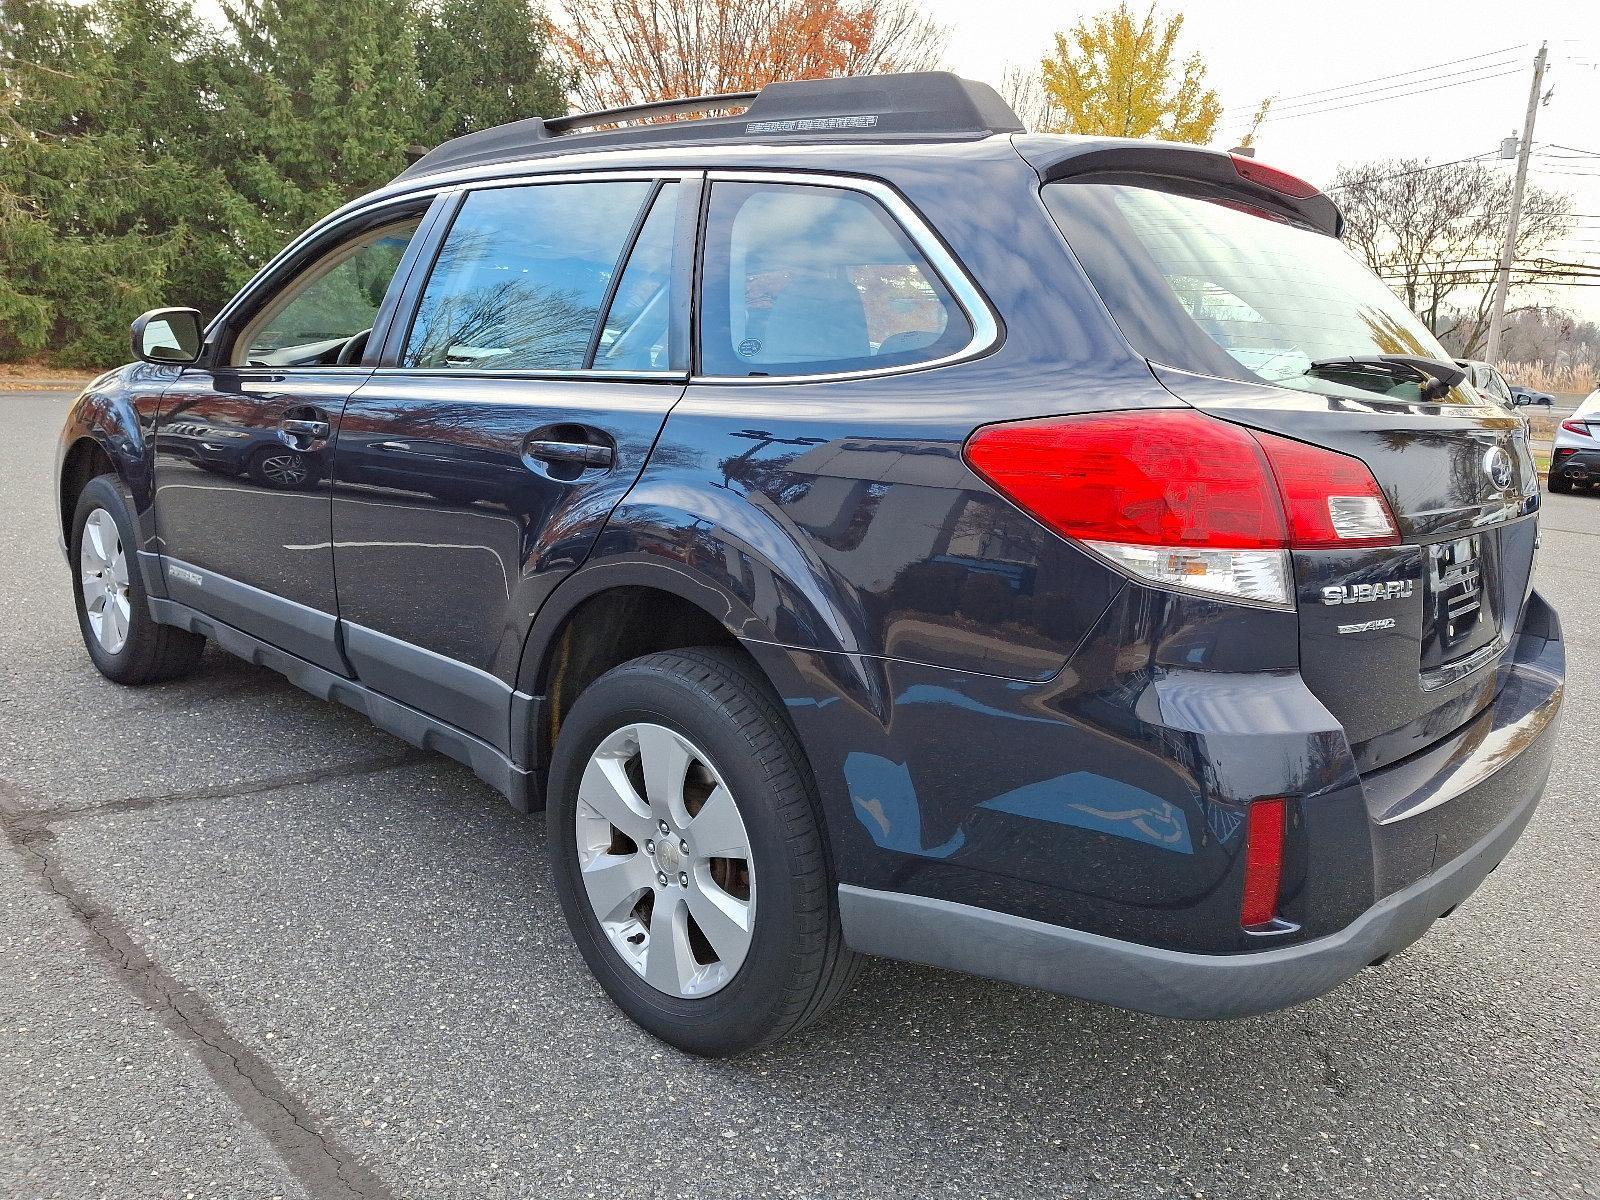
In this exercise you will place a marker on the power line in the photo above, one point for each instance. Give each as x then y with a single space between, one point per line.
1510 62
1344 87
1413 171
1398 96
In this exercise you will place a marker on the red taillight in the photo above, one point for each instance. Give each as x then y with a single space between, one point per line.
1273 179
1175 477
1263 862
1170 477
1576 426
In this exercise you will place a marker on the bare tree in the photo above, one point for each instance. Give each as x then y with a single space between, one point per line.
1023 89
1433 233
630 51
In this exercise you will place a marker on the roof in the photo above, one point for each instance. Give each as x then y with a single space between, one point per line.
917 106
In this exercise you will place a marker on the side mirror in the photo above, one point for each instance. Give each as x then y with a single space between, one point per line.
167 335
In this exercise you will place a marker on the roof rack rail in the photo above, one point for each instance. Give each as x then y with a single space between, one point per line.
922 105
688 106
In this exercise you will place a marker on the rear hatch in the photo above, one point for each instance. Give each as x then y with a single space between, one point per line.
1247 306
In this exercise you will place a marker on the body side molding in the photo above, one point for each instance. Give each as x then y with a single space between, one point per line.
401 720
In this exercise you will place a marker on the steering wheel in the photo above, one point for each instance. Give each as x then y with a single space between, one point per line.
350 353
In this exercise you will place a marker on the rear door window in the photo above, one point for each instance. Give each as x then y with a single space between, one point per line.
522 276
1209 284
812 280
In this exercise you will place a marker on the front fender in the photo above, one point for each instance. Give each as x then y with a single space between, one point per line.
117 414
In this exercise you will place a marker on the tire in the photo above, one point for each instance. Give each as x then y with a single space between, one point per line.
125 643
1558 485
708 704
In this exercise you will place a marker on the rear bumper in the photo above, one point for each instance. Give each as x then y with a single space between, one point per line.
1488 779
1582 466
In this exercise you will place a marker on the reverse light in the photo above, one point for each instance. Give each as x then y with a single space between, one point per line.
1182 500
1263 862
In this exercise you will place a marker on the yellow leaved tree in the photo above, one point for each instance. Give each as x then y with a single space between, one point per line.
1118 74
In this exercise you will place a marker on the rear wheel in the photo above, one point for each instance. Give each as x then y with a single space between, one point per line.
126 644
689 855
1557 484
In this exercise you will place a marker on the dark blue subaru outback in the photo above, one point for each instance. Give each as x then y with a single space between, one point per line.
865 528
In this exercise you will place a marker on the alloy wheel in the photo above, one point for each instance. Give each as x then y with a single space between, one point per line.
284 470
665 860
103 577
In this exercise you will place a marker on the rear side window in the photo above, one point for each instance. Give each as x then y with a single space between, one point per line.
810 280
522 275
1207 284
635 335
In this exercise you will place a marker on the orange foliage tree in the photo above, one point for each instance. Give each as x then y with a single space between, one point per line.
632 51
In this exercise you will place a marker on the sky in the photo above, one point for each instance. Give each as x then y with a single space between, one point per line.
1365 79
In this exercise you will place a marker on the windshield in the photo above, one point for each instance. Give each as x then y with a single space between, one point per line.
1211 285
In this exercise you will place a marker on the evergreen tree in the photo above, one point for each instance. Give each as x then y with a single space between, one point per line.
482 63
320 99
104 206
148 158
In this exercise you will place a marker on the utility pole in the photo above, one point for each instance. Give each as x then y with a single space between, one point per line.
1502 276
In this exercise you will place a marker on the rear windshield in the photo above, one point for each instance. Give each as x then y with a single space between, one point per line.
1210 285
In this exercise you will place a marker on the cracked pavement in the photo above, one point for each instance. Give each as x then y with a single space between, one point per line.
252 947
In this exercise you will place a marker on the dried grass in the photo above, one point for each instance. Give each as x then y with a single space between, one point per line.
1572 379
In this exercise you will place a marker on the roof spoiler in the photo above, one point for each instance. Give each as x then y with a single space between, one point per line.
916 105
1056 158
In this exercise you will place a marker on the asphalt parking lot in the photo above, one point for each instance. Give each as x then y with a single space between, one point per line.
252 947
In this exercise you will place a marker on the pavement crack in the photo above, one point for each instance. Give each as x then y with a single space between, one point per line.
227 791
1331 1078
324 1166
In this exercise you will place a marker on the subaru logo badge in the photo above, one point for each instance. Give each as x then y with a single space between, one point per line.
1498 464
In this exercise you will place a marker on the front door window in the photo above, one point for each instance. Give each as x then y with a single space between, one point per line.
322 317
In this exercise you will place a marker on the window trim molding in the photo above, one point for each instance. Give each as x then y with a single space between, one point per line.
986 328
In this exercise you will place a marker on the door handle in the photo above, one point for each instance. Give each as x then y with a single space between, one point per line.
585 454
317 430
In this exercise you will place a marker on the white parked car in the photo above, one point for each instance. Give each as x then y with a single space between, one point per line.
1575 457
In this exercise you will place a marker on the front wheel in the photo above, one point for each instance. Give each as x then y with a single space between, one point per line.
125 642
689 855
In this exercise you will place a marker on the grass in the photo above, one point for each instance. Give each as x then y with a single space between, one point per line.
36 376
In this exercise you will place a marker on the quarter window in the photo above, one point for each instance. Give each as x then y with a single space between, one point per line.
809 280
522 275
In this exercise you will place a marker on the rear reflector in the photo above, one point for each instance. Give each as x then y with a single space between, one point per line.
1273 179
1183 500
1263 862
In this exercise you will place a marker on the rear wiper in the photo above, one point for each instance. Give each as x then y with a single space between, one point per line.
1436 378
